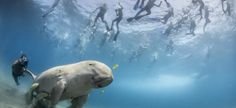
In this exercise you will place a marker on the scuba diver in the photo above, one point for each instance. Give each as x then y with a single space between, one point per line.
201 3
119 14
101 14
147 8
19 67
226 11
56 2
169 14
206 16
169 47
136 6
169 29
192 27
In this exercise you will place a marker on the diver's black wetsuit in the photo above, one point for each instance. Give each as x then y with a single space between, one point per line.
136 6
19 67
228 8
207 20
101 15
169 14
147 8
119 14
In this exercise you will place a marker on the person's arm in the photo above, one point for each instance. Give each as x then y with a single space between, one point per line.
166 2
158 4
96 9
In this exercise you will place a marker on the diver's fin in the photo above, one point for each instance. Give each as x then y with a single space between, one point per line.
130 19
138 17
31 74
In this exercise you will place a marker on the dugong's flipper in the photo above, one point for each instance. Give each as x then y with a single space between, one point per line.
29 95
57 91
78 102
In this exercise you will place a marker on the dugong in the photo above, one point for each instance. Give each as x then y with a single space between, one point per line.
72 81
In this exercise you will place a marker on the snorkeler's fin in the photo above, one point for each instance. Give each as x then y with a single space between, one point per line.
138 17
130 19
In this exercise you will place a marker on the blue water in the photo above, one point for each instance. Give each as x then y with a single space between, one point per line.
192 77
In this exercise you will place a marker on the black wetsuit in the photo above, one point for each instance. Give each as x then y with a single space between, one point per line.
18 68
147 8
101 15
119 13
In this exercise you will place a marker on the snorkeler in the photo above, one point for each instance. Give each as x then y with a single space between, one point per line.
147 8
119 14
19 67
136 6
201 3
206 16
51 9
169 14
192 27
226 11
169 47
169 29
101 14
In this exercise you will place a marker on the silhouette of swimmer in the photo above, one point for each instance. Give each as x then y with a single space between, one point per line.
192 27
226 11
150 4
119 14
169 29
136 6
19 68
169 14
169 47
206 16
56 2
201 3
101 14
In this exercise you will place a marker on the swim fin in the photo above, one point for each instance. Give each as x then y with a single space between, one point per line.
130 19
138 17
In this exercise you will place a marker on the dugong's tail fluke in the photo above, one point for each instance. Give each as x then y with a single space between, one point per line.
31 74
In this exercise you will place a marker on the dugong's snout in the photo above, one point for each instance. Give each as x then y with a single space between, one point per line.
101 74
103 81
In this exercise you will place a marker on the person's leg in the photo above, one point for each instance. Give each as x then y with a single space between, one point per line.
228 9
136 5
148 13
200 11
165 19
107 27
15 76
118 30
142 4
95 20
115 20
139 13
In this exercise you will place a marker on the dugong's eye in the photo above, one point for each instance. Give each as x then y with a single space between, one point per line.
90 64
